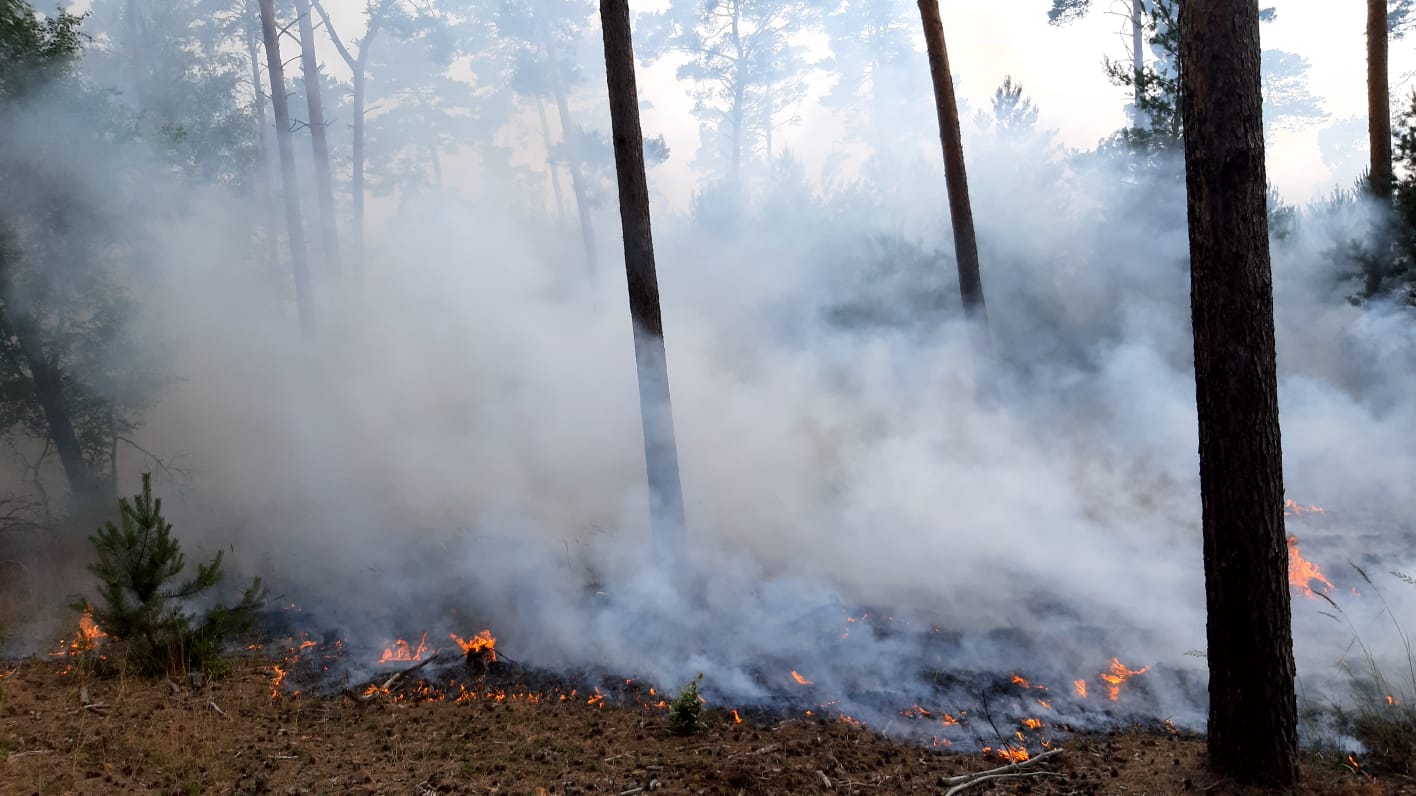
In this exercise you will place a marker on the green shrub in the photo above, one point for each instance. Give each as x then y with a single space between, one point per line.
686 712
143 600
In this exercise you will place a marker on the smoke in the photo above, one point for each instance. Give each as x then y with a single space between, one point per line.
462 434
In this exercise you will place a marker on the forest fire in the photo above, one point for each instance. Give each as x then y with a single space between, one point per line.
483 646
1302 573
87 639
1119 674
403 651
800 680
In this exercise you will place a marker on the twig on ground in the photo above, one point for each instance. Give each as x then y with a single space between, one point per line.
825 780
31 753
962 778
96 706
631 792
218 710
994 777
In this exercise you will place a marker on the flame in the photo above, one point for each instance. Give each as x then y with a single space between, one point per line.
1045 704
402 651
916 712
1013 754
949 721
87 639
1118 675
1302 573
276 681
1293 508
597 699
1032 724
1081 688
737 719
800 680
1391 700
483 644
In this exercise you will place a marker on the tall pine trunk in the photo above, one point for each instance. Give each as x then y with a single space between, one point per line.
551 167
298 257
956 178
1138 55
1379 98
85 488
265 193
660 451
1252 713
571 145
324 182
358 67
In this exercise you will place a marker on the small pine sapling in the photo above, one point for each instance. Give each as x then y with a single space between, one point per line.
686 712
142 600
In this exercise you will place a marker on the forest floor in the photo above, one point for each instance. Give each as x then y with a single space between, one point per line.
64 730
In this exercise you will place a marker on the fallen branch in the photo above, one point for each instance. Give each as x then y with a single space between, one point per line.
962 778
218 709
1010 771
994 777
18 755
96 706
396 677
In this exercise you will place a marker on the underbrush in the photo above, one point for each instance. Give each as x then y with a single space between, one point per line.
1382 714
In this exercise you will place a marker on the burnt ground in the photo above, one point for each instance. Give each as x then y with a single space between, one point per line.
237 734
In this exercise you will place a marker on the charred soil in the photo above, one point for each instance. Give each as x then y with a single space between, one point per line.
63 730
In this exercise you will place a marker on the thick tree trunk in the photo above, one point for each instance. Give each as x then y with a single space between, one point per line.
1379 98
1138 55
265 194
48 380
1252 714
572 152
956 178
324 182
299 264
660 451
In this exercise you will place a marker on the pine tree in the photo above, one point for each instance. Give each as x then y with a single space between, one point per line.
142 601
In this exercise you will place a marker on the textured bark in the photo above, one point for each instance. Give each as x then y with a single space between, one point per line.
660 452
572 150
1379 98
956 178
1252 714
324 182
299 264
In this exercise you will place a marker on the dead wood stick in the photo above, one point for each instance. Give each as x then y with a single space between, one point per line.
399 675
963 778
631 792
218 709
993 777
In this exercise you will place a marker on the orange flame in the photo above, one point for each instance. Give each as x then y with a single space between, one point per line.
800 680
1032 724
1013 754
481 644
1118 675
737 719
86 639
1293 508
1303 573
276 681
1081 688
403 651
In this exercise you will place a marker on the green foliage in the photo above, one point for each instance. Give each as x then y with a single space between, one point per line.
143 600
34 49
686 712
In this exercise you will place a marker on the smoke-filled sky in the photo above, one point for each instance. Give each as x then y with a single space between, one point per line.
464 428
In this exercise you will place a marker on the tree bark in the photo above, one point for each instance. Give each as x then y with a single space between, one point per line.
660 451
265 194
1379 98
358 66
48 381
1252 714
1138 55
299 264
572 150
956 178
551 166
324 182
